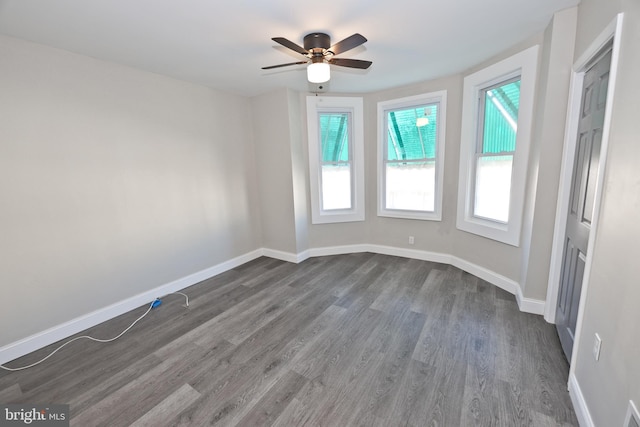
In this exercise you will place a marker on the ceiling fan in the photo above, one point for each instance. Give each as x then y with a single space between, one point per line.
320 53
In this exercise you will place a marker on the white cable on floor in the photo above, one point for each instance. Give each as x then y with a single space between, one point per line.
184 295
91 338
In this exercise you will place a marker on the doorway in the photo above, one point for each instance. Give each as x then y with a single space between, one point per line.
586 169
571 262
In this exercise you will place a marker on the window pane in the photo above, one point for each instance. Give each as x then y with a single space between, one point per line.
412 133
493 187
499 129
411 186
336 187
334 137
500 126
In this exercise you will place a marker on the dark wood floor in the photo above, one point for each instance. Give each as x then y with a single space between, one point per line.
360 339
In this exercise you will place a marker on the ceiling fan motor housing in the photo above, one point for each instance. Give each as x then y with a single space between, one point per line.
317 41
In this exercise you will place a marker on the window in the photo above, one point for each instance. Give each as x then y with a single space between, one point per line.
496 128
336 158
411 155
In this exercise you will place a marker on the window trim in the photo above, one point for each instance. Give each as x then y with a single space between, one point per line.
439 97
525 65
354 107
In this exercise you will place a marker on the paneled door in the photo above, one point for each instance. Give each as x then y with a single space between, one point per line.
582 198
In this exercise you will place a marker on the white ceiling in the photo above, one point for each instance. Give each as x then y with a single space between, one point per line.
223 44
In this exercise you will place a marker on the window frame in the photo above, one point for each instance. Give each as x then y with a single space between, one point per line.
354 107
480 140
440 98
525 65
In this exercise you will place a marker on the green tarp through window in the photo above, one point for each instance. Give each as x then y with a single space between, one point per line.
407 140
334 137
501 106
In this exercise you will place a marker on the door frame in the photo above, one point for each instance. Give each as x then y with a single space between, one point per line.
611 34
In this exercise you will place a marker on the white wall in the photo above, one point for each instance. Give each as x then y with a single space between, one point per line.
113 181
272 134
612 305
299 172
546 152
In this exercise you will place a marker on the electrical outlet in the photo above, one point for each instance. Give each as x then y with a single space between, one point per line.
411 240
597 343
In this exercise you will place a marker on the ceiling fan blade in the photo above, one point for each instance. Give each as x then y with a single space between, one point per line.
351 63
284 65
348 43
291 45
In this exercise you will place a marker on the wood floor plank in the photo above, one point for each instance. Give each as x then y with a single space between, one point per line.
370 284
11 394
141 395
479 381
85 390
364 267
343 340
325 353
378 395
353 374
402 290
307 337
509 406
408 404
543 420
230 390
342 379
241 321
269 408
428 290
510 350
288 324
443 406
163 413
430 348
292 415
274 342
303 410
233 394
548 365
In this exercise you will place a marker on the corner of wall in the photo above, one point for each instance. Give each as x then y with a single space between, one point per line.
545 160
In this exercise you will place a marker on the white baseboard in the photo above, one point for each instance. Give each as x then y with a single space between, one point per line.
42 339
338 250
530 305
383 250
34 342
282 256
411 253
579 403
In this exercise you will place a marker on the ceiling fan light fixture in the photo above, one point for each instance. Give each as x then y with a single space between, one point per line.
318 72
